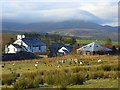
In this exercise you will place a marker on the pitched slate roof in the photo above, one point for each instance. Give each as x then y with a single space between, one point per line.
69 48
93 47
55 47
33 42
63 50
16 45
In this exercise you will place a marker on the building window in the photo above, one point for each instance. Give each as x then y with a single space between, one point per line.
14 49
39 48
8 49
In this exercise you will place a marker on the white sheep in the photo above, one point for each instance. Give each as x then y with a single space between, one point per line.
62 61
36 62
99 60
75 60
13 64
81 63
58 66
35 65
57 61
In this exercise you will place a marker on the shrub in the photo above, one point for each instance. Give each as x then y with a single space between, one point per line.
39 79
41 53
77 79
21 84
41 72
114 67
96 75
8 79
31 75
76 69
66 70
49 79
28 82
106 68
111 74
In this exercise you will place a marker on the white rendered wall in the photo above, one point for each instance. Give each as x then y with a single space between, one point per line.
11 49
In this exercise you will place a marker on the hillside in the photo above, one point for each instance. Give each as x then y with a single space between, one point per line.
70 28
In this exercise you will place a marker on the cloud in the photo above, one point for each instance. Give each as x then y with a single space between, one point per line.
107 11
103 12
53 15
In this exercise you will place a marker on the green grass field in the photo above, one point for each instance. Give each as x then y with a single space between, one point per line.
99 83
51 63
102 42
108 67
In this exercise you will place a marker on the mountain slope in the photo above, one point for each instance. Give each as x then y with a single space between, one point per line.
70 28
50 26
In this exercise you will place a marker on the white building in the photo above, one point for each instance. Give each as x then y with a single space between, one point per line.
26 44
92 48
63 51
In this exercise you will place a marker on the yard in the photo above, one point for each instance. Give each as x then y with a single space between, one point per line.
87 72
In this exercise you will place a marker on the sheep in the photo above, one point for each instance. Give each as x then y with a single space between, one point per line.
13 64
36 62
58 61
81 63
99 61
65 60
58 66
68 60
62 61
75 60
50 65
36 65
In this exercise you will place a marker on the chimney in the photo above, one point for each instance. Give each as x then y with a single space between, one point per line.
19 36
23 36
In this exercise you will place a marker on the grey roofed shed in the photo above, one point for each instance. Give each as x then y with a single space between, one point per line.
93 47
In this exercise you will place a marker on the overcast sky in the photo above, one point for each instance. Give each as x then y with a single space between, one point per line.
104 12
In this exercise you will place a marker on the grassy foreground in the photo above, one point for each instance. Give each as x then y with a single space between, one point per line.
98 83
70 74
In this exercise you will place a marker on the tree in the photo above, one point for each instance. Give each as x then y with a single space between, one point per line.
46 35
33 34
108 42
114 50
73 41
11 41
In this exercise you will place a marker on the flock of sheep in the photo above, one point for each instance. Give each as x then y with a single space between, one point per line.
65 61
68 60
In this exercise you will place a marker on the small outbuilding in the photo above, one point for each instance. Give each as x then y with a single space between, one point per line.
59 49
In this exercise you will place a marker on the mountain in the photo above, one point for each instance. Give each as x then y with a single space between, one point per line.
50 26
72 27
